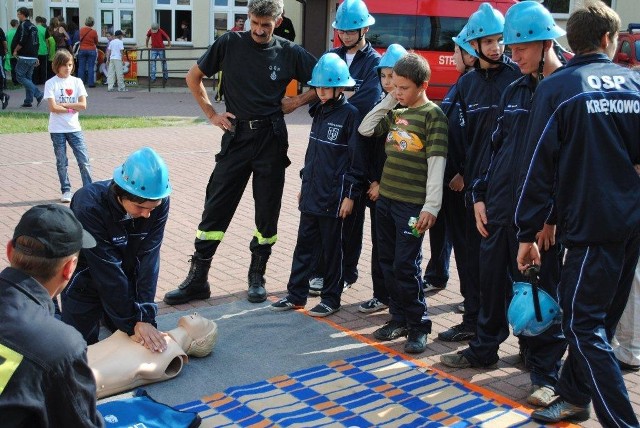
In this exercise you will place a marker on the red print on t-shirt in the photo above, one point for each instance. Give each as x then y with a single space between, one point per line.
69 91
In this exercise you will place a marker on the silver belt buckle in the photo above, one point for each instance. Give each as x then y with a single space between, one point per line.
253 124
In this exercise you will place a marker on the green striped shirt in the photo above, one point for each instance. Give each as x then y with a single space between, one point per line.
413 136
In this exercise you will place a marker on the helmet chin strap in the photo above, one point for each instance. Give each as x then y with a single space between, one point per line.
360 36
541 64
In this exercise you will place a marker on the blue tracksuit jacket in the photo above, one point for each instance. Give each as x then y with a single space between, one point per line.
497 183
480 91
124 265
333 165
597 190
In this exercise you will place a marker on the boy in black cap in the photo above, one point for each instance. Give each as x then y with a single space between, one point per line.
45 379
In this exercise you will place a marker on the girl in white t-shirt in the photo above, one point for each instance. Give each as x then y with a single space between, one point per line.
66 96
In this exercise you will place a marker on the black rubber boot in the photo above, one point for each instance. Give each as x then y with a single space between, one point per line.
257 293
195 286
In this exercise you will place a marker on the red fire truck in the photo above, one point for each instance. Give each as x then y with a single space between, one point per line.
425 26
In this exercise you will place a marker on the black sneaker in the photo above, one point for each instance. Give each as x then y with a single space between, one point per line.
5 100
39 100
25 105
323 310
373 305
284 305
561 410
391 330
457 333
416 342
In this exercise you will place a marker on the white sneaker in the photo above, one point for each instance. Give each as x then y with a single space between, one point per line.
66 197
315 286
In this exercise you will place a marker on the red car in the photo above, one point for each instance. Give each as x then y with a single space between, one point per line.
628 53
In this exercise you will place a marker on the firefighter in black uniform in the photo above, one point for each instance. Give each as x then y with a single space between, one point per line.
257 69
44 376
583 136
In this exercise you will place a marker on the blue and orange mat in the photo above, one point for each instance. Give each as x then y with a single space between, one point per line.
371 390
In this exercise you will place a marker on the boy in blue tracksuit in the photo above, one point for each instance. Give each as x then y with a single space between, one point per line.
479 93
352 24
331 182
529 30
583 136
375 164
449 230
116 280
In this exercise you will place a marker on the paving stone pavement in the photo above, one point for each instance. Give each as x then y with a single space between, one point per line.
28 177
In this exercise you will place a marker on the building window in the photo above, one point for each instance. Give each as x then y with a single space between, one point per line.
174 17
117 15
225 13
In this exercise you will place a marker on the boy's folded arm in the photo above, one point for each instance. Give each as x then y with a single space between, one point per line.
434 186
378 112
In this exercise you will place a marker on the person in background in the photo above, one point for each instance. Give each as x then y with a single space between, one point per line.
587 110
285 29
157 36
59 33
114 62
25 47
116 281
46 380
185 35
66 97
40 72
87 54
239 24
9 60
4 98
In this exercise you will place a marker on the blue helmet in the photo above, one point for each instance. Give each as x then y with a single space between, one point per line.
391 56
352 15
460 41
144 174
486 21
331 72
529 21
522 310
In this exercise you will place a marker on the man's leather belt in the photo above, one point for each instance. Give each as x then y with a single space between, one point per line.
254 124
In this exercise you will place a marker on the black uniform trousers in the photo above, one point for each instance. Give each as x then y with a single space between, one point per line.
470 288
544 352
327 231
498 271
400 255
453 211
437 271
593 291
353 234
377 276
258 148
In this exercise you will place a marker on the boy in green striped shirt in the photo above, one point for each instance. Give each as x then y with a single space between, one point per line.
411 187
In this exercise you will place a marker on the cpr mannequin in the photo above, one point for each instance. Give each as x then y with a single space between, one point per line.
120 364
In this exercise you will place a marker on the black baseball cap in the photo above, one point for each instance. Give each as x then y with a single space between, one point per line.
54 226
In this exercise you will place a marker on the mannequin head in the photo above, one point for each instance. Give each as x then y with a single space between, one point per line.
203 333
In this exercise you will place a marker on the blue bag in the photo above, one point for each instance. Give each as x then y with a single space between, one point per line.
142 411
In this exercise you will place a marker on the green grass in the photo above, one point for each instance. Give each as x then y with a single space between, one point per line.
20 123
